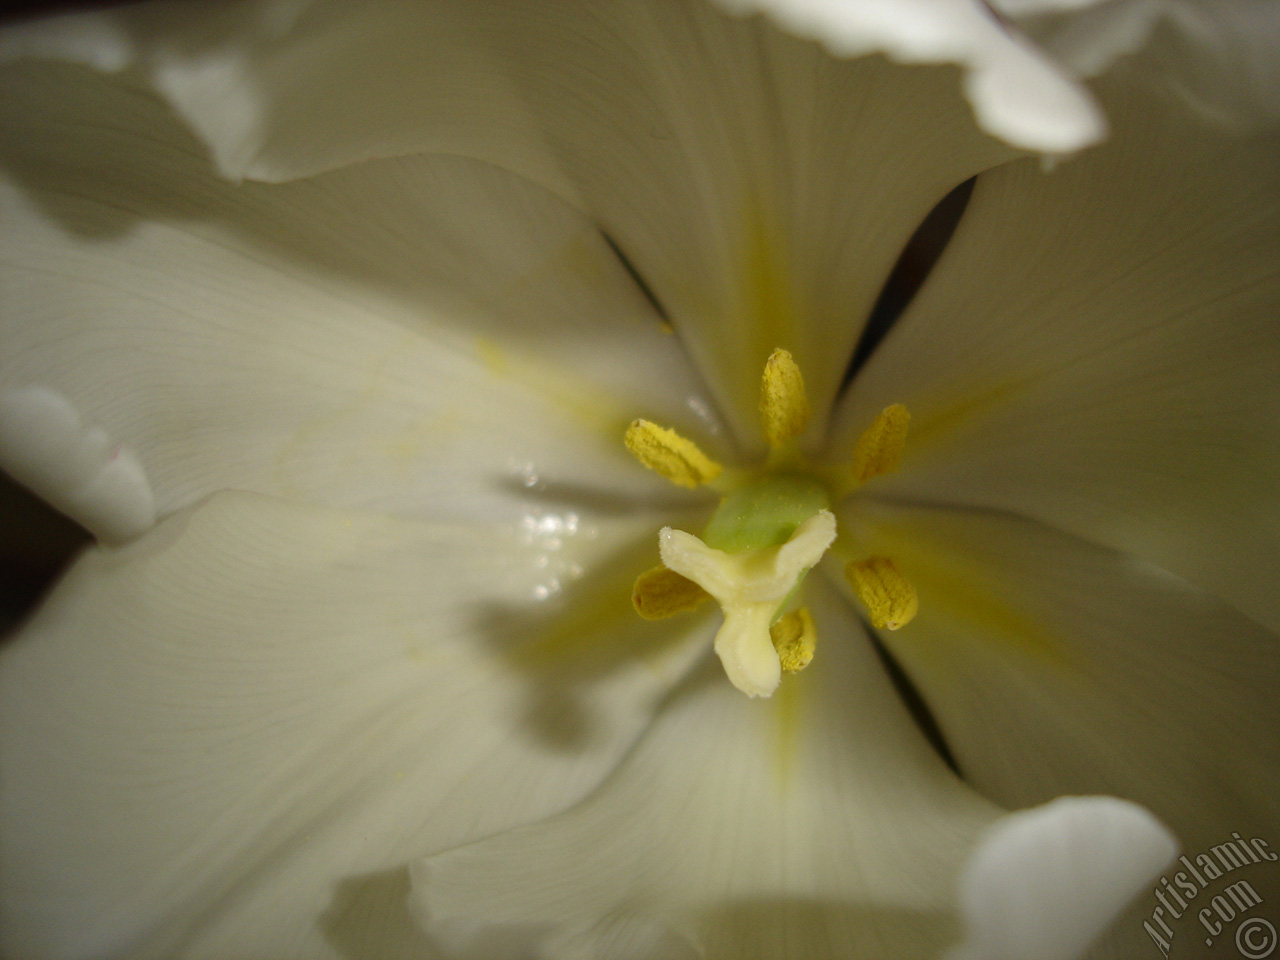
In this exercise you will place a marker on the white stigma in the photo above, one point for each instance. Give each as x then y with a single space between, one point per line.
750 587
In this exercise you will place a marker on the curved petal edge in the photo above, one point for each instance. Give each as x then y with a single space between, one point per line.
1044 883
46 446
1017 93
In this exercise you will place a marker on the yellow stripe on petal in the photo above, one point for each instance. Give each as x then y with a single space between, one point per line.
889 597
661 592
784 406
795 638
666 452
880 447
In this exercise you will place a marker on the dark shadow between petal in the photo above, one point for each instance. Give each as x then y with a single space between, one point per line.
36 544
909 274
633 272
914 701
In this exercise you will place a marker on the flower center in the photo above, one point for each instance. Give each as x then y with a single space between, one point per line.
771 527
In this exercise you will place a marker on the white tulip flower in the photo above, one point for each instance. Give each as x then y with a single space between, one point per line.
350 330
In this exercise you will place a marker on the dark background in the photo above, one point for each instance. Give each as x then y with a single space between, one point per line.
36 543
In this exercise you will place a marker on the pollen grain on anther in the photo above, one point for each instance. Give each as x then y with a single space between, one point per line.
784 405
888 595
795 638
880 447
661 592
664 451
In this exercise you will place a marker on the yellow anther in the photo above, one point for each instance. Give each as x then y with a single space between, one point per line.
880 447
794 638
660 593
666 452
889 596
784 407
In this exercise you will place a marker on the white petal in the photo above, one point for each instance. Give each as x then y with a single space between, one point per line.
762 188
1085 36
1221 56
1100 349
1022 8
1054 667
45 445
1017 93
417 336
230 737
814 824
1045 882
1218 55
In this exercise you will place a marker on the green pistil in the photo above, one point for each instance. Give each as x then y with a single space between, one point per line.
764 513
